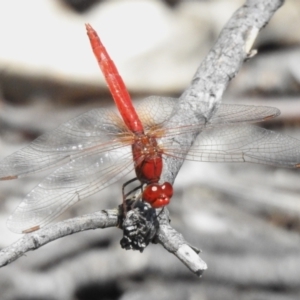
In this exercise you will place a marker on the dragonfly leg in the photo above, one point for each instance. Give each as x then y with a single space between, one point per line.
127 194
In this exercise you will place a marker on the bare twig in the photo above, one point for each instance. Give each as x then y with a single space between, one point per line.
47 234
197 104
174 242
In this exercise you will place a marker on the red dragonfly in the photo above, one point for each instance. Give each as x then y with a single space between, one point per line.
99 147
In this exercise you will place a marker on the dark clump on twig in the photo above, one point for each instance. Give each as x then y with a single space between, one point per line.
139 226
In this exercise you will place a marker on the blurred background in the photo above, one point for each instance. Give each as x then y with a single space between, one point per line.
244 217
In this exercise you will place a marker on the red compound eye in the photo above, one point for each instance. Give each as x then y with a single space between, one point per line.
158 195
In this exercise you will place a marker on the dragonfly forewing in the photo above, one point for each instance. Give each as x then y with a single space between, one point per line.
95 128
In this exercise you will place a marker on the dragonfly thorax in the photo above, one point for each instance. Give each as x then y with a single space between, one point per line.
147 156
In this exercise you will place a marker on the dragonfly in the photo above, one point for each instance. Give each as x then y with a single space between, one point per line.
98 148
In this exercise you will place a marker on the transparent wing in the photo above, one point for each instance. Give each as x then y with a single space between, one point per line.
235 113
158 111
96 152
243 143
226 137
155 110
94 128
102 128
69 184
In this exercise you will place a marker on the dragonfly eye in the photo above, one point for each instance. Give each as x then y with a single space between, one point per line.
158 195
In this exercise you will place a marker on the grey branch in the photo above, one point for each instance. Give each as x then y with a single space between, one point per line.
203 95
47 234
